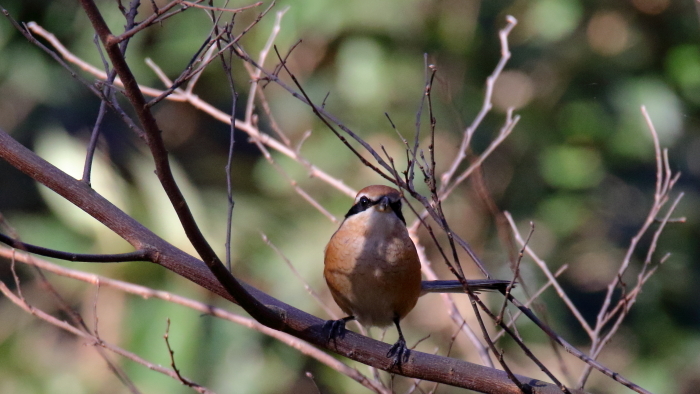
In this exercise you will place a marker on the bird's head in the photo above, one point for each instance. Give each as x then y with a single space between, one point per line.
377 198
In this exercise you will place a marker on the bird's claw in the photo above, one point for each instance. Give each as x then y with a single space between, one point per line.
399 352
334 329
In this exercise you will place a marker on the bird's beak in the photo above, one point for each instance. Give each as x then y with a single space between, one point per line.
383 204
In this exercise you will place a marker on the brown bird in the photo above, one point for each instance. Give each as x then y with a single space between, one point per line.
373 271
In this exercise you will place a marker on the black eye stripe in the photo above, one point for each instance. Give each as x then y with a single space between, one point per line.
396 207
365 203
362 205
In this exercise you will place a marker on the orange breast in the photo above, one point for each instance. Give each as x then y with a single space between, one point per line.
372 278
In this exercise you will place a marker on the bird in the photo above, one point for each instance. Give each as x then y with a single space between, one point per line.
373 270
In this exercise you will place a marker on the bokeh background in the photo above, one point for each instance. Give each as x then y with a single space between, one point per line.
580 164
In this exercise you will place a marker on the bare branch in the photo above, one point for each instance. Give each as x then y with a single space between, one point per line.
139 255
532 299
665 180
255 77
516 272
571 349
487 104
452 310
194 100
296 273
230 10
19 301
550 277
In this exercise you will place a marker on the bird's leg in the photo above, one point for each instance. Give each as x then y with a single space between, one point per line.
399 351
336 328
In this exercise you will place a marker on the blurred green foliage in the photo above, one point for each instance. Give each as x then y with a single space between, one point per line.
580 164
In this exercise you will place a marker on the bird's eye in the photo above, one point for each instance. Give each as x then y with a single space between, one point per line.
365 202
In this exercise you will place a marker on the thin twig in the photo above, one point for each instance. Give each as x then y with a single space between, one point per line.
69 311
516 272
474 300
452 310
190 72
166 336
226 64
571 349
317 112
255 77
665 180
550 277
94 340
197 102
293 183
487 104
296 273
231 10
532 299
106 90
139 255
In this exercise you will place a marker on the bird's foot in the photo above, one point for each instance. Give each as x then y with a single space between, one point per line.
399 352
336 328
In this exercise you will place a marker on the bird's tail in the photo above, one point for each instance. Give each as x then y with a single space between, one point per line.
453 286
